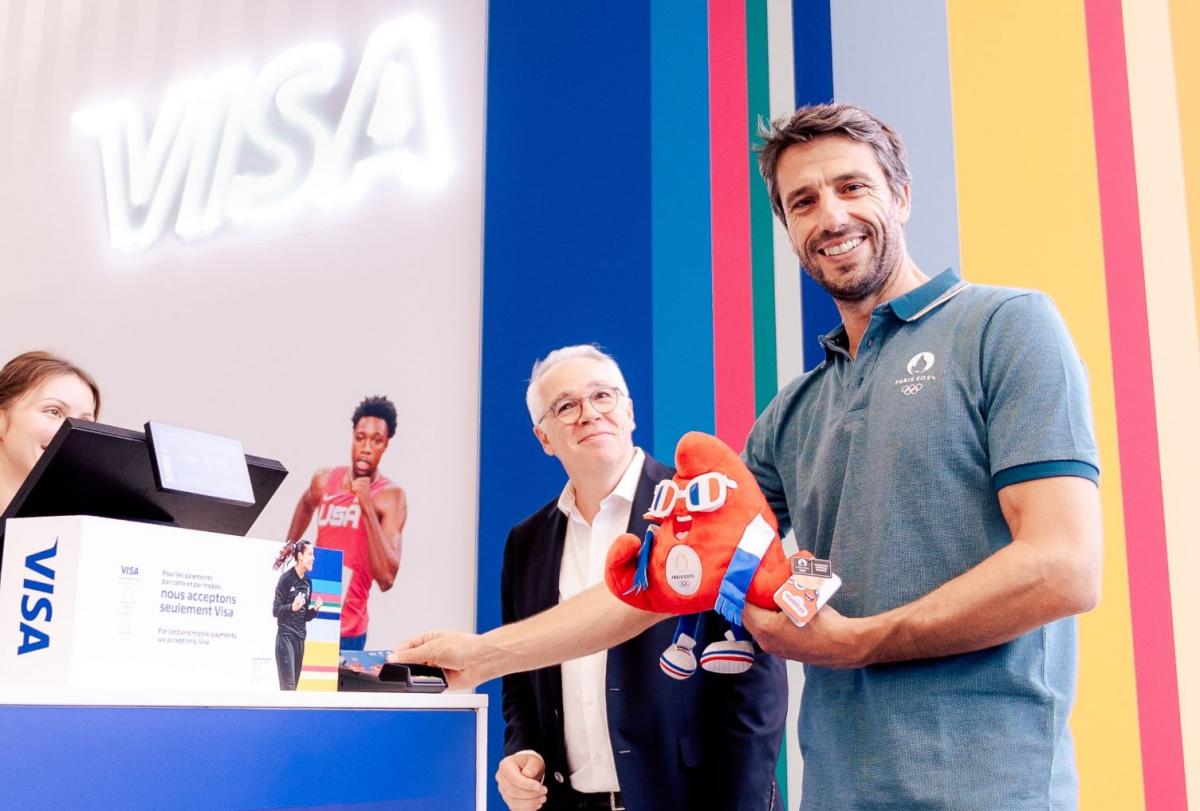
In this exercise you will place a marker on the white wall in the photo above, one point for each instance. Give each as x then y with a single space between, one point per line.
268 335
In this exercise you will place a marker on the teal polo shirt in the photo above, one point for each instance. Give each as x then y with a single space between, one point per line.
889 464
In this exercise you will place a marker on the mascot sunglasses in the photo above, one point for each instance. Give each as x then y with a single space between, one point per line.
704 494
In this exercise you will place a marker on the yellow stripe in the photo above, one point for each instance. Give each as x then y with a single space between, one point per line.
1170 305
321 654
1030 217
318 682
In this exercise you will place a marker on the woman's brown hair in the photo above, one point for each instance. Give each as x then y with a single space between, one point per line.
26 371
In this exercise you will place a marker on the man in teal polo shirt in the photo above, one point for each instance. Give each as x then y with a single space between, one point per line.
942 457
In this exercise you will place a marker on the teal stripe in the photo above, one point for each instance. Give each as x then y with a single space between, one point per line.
1045 470
762 248
681 231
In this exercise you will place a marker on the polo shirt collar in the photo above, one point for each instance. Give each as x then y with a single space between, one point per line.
909 307
935 292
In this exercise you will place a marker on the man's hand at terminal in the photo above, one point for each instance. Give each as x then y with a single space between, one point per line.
463 656
588 622
519 779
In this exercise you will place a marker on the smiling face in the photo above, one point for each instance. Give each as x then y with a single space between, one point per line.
304 561
597 441
29 423
369 442
843 220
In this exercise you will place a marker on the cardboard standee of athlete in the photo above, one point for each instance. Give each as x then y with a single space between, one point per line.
717 547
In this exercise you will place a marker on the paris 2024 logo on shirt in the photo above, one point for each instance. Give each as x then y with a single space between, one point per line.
918 368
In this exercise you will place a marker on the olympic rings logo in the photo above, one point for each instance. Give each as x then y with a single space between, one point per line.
912 389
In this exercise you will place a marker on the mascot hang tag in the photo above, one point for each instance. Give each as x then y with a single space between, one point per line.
811 585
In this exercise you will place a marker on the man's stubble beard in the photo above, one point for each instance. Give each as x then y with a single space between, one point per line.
883 266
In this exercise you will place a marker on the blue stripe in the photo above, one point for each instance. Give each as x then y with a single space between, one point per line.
669 665
125 757
732 594
328 586
681 222
327 568
1045 470
812 46
566 245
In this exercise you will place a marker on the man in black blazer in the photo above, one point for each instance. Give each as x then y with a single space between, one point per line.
611 730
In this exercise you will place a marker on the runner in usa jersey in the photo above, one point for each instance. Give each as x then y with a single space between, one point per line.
340 525
360 512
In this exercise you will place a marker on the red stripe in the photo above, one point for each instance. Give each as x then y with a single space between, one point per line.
727 658
1137 429
733 344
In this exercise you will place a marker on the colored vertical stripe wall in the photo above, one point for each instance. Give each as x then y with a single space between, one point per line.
567 247
1021 220
1138 447
1053 145
681 243
1168 264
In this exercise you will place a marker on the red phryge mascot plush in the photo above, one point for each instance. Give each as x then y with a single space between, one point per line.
717 547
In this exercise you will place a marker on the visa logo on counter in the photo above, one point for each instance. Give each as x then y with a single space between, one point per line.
33 605
253 150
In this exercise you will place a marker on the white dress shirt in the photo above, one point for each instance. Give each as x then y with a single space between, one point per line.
585 711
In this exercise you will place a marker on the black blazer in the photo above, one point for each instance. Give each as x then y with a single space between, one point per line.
711 741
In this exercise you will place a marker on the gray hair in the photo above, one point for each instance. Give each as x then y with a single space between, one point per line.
816 120
542 367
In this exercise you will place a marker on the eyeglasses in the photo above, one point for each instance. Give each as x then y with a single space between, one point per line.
569 409
704 494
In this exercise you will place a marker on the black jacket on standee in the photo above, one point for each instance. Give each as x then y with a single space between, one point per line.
293 622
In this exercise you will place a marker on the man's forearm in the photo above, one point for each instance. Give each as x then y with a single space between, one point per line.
1012 592
592 621
1049 571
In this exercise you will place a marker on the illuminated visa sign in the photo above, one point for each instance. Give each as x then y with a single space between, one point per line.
253 150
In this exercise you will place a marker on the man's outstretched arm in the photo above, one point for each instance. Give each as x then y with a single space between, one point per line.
590 621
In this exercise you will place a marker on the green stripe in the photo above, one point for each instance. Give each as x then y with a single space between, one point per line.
762 253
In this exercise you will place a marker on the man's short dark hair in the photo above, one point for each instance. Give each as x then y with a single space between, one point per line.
377 406
816 120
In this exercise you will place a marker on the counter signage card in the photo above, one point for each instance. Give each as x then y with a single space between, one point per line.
91 602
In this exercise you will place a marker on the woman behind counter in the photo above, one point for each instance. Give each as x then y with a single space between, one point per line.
38 391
